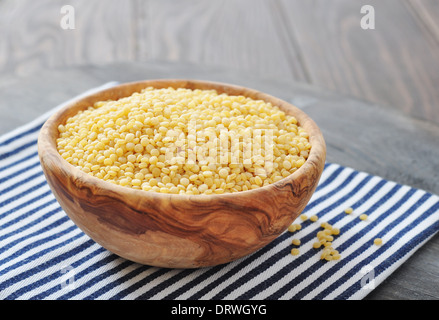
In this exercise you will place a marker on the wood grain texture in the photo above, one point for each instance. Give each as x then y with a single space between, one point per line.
317 42
32 38
348 142
179 231
32 44
427 13
395 64
240 35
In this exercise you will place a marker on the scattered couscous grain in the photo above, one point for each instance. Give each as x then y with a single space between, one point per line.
325 225
294 227
325 238
316 245
184 141
336 256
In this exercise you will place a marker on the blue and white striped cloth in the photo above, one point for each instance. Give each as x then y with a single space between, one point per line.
43 255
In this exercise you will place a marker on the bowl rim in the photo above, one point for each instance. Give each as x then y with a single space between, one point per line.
47 144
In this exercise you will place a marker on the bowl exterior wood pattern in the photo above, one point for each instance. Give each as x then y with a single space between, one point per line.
178 231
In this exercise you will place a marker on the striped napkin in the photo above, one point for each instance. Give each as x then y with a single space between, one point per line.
43 255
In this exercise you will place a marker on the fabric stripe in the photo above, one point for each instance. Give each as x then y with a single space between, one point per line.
14 174
30 144
306 256
309 255
55 286
18 167
392 234
32 223
266 264
325 180
12 211
349 258
17 182
20 279
235 270
25 190
400 255
248 275
19 218
38 242
21 135
31 255
110 288
97 276
6 166
320 267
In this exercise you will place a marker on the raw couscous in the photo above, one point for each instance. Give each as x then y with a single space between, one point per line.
184 141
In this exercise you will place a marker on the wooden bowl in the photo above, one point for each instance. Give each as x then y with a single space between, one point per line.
171 230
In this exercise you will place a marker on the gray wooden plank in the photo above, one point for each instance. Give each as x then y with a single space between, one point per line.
406 282
243 35
395 65
358 134
240 35
427 12
32 38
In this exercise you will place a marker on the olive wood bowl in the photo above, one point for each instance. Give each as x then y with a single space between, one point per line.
172 230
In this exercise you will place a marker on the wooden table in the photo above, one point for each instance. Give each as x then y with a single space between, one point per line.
358 134
318 42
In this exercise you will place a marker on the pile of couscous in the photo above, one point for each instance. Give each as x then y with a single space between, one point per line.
184 141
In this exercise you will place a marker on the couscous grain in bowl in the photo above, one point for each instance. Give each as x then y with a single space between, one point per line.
181 173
